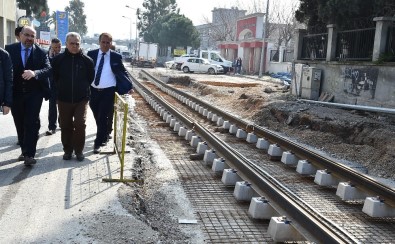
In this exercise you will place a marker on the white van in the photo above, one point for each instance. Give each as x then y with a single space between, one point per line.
215 58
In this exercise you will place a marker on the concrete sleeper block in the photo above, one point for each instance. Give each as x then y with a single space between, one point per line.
347 192
376 207
260 208
243 191
281 230
230 177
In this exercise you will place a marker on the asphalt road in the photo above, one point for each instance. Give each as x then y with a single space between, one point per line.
55 201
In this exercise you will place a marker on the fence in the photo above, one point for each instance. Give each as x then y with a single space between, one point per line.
121 109
355 44
314 46
390 48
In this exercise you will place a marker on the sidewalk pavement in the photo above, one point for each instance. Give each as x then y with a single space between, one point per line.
54 200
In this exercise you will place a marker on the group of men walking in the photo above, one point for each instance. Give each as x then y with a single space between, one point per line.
71 80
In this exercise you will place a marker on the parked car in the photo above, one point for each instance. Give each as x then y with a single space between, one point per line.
126 56
179 60
170 64
201 65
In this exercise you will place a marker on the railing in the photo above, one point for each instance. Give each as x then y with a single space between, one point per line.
390 48
274 55
355 44
314 46
288 55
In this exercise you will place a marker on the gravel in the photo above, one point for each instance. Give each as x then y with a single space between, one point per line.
362 140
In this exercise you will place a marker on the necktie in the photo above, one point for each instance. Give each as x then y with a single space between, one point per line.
99 70
26 56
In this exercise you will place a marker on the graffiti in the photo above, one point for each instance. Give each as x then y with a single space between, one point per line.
360 81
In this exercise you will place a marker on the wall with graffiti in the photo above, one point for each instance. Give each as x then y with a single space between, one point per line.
366 85
360 81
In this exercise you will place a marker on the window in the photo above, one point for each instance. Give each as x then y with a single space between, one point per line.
248 36
215 57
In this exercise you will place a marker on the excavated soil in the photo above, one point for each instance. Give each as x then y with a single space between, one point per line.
364 139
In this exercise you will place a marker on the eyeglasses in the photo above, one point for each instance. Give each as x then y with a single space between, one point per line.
28 35
74 43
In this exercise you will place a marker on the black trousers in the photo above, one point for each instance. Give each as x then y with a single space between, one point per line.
52 111
72 117
26 113
102 104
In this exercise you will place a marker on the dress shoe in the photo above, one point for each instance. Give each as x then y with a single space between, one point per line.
21 157
96 150
67 156
29 161
80 157
50 132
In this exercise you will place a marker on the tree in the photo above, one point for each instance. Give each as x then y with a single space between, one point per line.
280 28
345 14
154 9
173 30
33 7
282 24
77 18
223 27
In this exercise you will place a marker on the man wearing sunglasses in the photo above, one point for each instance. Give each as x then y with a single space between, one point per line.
30 85
73 72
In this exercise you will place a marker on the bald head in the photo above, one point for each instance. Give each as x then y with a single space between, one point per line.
27 36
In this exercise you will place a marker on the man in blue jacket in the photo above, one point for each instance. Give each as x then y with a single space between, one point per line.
5 81
30 85
110 77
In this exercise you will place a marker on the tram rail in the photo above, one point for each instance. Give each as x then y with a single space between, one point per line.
307 217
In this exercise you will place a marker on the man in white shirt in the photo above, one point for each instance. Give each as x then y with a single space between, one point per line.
110 76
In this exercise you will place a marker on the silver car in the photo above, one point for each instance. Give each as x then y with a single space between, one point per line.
201 65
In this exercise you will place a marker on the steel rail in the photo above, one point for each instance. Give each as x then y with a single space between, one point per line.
317 226
360 180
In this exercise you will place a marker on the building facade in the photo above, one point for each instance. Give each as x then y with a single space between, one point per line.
7 21
248 44
222 27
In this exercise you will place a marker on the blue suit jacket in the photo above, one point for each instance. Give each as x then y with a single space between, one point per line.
41 65
124 83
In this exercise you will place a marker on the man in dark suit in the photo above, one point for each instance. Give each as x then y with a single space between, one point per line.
5 81
110 76
54 49
30 85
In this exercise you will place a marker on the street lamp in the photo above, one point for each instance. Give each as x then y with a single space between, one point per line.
130 38
127 6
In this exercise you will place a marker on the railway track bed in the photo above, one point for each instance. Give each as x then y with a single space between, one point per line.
329 205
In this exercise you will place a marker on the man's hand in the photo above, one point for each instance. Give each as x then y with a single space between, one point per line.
28 74
6 110
130 91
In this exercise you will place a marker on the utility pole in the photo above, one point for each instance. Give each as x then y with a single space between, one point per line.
130 32
136 42
263 40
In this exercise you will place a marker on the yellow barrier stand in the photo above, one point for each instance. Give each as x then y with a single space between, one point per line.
120 130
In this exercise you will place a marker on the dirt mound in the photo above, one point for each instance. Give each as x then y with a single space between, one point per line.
361 137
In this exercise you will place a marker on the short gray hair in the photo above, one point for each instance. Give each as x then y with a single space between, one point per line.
73 34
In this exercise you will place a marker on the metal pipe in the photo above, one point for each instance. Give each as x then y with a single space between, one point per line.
356 107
